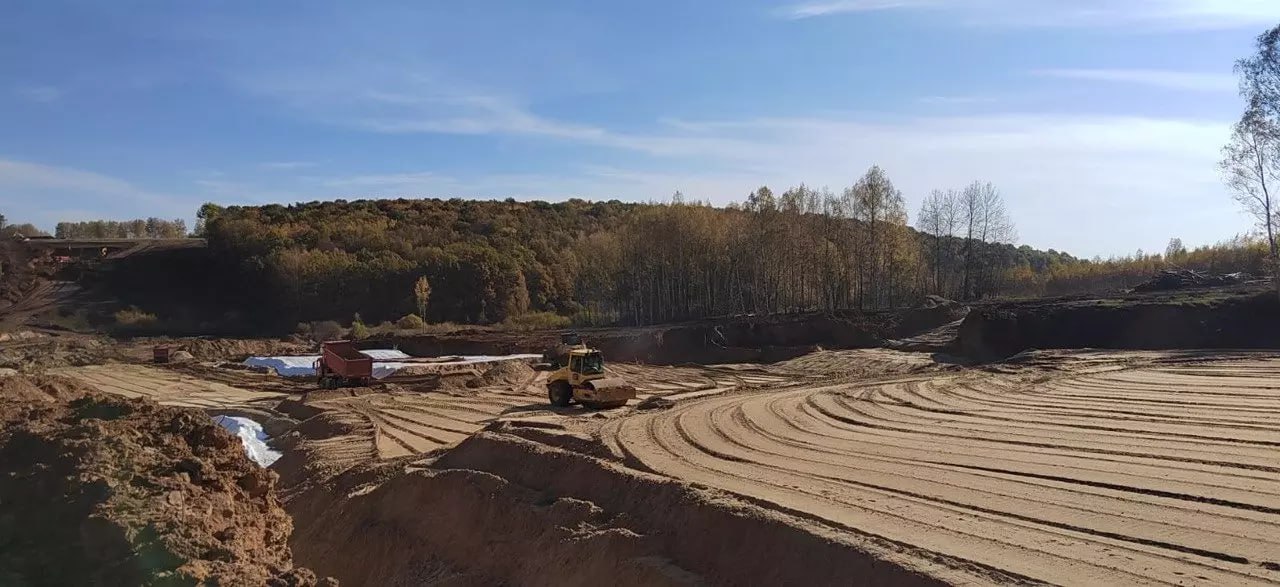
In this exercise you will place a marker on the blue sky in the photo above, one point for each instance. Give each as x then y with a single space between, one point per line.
1100 121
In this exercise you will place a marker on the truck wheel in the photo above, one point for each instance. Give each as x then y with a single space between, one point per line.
560 394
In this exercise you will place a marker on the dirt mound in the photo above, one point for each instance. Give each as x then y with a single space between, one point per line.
102 490
861 363
322 446
507 373
52 352
20 389
503 510
931 313
1171 279
239 349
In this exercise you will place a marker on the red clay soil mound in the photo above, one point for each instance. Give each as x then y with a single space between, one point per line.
97 489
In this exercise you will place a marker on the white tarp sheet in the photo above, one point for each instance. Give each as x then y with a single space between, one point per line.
253 438
305 365
385 365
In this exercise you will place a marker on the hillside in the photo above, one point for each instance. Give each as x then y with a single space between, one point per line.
596 262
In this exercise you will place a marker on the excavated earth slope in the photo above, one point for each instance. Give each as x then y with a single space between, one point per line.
96 489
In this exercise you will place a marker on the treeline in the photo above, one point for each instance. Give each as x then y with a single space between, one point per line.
486 260
804 249
137 228
25 229
610 262
1246 254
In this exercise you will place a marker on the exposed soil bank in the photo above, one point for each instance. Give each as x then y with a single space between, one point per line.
736 339
502 509
97 489
1241 318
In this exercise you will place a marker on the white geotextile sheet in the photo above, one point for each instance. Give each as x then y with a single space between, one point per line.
252 436
386 365
305 365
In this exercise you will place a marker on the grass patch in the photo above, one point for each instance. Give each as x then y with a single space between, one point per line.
535 321
411 322
132 317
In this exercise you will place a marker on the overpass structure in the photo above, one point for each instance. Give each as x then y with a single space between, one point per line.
109 248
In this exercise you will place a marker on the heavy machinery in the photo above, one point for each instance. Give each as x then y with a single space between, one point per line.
576 373
341 364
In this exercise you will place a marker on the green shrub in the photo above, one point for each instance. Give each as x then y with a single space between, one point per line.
134 318
74 320
536 321
411 322
584 318
359 331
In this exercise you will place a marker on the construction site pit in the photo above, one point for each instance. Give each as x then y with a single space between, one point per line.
835 467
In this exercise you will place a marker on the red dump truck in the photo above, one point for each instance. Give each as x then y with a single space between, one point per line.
340 364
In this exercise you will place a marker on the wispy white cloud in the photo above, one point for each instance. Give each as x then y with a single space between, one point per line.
1176 14
286 165
38 193
812 9
1174 80
472 115
399 100
38 93
956 100
20 175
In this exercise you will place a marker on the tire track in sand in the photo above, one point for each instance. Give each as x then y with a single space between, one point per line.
1164 475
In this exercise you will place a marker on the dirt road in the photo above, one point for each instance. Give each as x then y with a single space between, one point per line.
173 388
1164 474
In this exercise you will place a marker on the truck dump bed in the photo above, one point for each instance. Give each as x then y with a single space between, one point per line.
342 358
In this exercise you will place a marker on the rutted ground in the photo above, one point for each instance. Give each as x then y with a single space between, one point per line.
1074 467
172 387
1167 473
404 418
409 422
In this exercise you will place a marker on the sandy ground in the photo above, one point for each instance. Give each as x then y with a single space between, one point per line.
1166 473
175 388
1080 468
413 422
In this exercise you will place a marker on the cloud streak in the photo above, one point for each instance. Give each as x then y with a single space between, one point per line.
813 9
38 93
1161 14
1173 80
46 194
286 165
